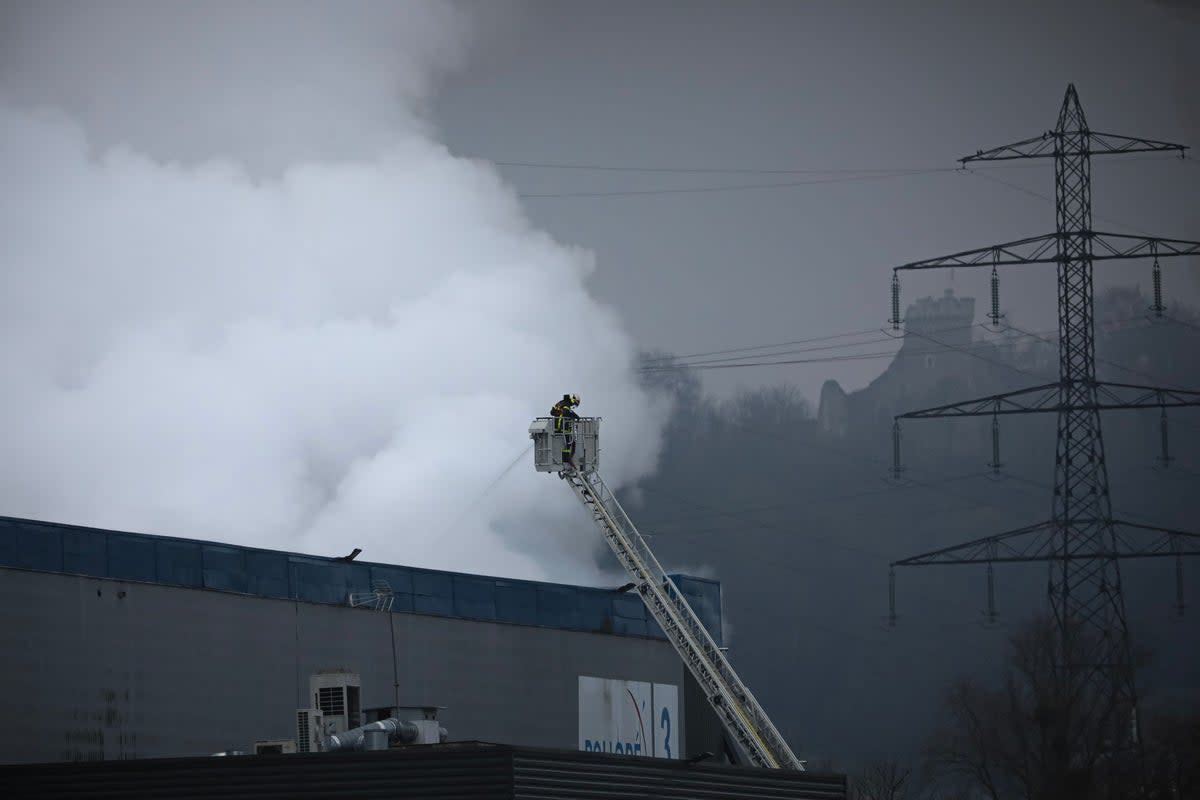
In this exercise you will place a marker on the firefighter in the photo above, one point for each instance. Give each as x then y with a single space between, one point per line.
563 412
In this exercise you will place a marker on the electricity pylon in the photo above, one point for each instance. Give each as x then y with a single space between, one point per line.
1082 542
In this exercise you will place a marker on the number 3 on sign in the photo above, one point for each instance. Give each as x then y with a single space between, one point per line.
665 724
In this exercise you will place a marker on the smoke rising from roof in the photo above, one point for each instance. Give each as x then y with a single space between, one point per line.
247 296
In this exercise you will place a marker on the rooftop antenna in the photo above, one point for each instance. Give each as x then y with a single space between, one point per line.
379 598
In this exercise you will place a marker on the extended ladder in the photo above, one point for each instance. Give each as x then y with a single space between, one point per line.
741 714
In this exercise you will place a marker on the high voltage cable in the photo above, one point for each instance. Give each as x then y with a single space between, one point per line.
767 346
1122 367
693 170
1039 195
837 175
775 354
1114 364
716 363
706 365
876 340
787 362
715 170
974 355
679 360
1181 322
666 365
735 187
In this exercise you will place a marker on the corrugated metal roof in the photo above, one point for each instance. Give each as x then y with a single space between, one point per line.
458 770
53 547
539 775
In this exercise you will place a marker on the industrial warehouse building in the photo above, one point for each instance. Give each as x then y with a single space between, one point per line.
122 645
128 646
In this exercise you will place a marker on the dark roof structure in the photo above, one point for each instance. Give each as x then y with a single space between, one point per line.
459 770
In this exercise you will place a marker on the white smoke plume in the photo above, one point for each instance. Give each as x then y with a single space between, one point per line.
247 296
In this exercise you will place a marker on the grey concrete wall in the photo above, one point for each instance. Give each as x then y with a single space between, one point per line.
96 668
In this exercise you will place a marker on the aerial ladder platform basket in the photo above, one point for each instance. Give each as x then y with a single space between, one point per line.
742 716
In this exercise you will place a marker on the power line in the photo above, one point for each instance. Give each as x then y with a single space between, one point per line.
668 363
1184 323
681 361
713 170
734 187
1122 367
908 332
820 360
704 365
765 346
696 170
1114 364
1047 198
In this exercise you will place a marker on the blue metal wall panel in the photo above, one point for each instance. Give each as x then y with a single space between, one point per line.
131 557
318 581
399 578
267 574
179 563
704 596
629 614
474 597
595 609
85 552
357 578
558 607
629 605
224 568
8 544
516 602
433 593
36 547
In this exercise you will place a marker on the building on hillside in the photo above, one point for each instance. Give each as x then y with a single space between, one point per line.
931 360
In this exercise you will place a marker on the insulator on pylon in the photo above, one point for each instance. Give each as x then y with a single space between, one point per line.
1164 457
1179 584
896 468
1158 307
991 589
892 596
995 463
895 320
995 316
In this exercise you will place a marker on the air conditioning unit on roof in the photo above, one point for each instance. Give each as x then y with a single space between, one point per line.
336 694
309 730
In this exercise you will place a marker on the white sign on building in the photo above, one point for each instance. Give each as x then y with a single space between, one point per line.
629 717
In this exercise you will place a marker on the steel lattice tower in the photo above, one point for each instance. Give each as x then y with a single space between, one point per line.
1082 541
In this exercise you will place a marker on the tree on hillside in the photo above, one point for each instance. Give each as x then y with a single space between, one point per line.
881 780
1042 734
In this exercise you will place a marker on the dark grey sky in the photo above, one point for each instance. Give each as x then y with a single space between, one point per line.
823 86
